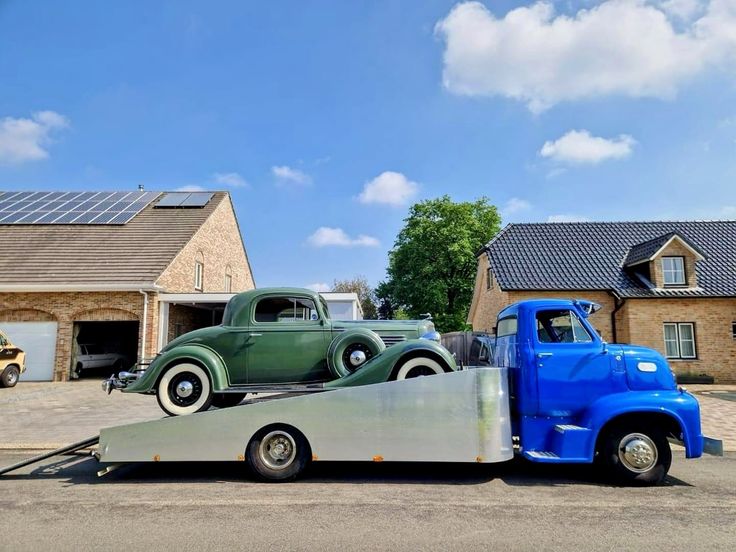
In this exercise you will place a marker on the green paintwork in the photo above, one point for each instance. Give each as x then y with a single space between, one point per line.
243 351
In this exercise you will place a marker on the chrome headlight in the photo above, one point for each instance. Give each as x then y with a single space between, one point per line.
432 336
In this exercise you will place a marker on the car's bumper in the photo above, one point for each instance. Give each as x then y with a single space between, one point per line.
121 381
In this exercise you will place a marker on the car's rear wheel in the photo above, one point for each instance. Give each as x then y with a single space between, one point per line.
278 453
184 389
10 376
419 366
226 400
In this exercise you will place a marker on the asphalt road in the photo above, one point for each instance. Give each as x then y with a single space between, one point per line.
62 505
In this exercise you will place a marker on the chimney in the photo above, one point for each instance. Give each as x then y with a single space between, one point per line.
141 187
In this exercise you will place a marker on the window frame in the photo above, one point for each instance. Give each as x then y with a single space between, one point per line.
665 271
489 278
198 275
228 279
679 340
571 312
279 323
733 330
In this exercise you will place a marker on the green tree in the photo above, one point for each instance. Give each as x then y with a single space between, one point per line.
365 293
433 262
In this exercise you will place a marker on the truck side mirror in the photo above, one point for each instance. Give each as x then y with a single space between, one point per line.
604 347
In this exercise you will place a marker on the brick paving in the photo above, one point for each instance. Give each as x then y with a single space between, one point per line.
50 415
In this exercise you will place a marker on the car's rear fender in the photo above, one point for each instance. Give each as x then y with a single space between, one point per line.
383 366
198 354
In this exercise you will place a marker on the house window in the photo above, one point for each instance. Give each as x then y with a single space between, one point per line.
228 279
673 269
733 330
198 272
489 278
679 340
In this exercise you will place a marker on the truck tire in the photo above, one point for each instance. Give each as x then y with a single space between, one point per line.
184 389
10 375
419 366
350 350
278 453
636 456
226 400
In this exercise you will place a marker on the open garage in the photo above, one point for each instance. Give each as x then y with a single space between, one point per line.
101 347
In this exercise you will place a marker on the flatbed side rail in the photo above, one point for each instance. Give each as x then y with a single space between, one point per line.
90 441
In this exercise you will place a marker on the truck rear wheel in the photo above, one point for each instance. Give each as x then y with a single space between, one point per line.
636 456
226 400
184 389
9 377
278 453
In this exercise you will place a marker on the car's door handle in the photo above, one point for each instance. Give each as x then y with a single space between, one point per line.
255 335
544 355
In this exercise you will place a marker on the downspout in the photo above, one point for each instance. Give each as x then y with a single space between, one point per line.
145 320
619 302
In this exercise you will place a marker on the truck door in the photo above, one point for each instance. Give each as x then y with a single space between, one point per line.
573 367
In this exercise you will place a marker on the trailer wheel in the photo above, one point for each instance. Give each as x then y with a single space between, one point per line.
350 350
226 400
9 377
184 389
636 456
278 453
419 366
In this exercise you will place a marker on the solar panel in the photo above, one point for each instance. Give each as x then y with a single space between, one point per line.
184 199
72 207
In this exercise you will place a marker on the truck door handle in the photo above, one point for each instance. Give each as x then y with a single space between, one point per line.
255 335
544 355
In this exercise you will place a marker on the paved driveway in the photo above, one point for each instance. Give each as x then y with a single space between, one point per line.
49 415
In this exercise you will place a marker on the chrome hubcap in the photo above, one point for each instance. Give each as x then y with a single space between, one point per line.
637 452
184 389
277 450
357 358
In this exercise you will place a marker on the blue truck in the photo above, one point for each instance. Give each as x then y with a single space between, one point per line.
551 390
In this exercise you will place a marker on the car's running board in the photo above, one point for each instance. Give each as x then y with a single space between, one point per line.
308 388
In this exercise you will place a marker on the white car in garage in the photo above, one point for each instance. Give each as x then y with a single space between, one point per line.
95 356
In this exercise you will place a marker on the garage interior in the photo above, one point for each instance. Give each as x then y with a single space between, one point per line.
100 347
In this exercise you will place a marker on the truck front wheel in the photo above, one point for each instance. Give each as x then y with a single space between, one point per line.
636 456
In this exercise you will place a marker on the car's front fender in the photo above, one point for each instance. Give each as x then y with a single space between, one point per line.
199 354
381 367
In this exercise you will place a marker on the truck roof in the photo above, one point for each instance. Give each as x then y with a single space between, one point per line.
582 305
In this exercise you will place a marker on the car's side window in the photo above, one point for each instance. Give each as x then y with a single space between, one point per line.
286 309
561 326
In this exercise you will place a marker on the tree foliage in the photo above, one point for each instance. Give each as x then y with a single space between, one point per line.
433 262
366 296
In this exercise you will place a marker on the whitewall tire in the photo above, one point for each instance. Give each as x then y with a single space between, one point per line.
184 389
419 366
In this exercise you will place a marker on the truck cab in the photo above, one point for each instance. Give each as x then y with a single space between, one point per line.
576 398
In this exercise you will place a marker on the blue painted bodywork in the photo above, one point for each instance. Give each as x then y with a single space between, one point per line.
564 394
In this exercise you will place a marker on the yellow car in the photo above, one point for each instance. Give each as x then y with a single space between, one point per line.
12 362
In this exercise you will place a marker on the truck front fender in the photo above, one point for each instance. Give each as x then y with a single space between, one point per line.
681 407
199 354
381 367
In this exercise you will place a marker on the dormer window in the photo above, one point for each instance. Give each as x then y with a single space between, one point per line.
673 271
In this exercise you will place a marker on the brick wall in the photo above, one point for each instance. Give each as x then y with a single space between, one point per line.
219 244
67 308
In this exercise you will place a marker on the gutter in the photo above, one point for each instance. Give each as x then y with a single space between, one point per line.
619 302
145 321
38 288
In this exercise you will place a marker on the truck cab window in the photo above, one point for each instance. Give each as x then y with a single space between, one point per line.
561 326
506 326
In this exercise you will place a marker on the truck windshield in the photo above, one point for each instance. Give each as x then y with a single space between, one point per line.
561 326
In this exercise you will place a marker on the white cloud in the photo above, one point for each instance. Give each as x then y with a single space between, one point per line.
190 188
286 175
618 47
23 140
515 206
579 147
326 236
389 188
319 287
231 179
567 218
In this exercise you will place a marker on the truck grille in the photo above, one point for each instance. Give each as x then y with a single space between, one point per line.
389 340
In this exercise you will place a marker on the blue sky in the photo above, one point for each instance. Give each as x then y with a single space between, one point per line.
325 120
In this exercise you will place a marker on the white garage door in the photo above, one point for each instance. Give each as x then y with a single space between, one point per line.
38 340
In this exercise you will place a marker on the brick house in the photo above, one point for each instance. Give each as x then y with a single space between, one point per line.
108 286
670 286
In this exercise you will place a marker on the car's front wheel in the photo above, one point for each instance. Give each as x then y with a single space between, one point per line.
184 389
419 366
9 377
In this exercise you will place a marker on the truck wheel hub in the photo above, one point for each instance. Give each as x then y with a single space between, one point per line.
638 452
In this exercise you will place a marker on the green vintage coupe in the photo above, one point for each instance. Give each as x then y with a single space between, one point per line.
282 339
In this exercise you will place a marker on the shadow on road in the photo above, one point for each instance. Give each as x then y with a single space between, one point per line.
82 469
